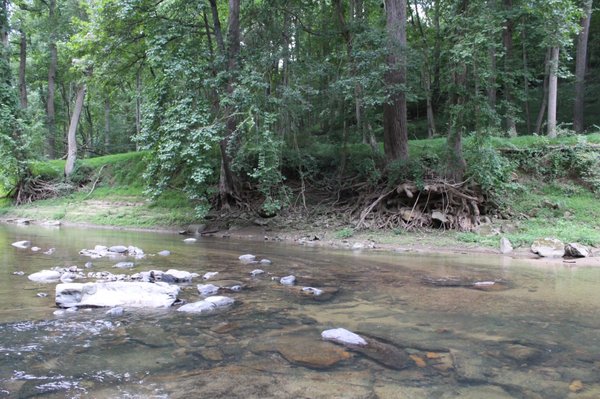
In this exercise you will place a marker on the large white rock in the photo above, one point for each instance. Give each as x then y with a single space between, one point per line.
288 280
220 301
548 248
45 276
576 250
118 293
248 258
207 289
505 246
343 336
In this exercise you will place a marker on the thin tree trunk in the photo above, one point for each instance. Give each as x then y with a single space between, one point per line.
71 137
526 78
106 124
4 27
544 106
580 66
138 106
395 133
89 140
553 92
217 25
507 38
50 110
492 90
22 70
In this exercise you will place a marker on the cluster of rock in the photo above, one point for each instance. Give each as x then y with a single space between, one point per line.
550 248
101 251
27 245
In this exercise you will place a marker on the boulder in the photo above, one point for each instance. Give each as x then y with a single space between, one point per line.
548 248
248 258
136 252
576 250
344 337
505 246
178 276
288 280
21 244
207 289
45 276
127 294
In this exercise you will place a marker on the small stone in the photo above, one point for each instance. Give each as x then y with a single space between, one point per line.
312 291
88 265
248 258
19 273
207 289
59 312
41 295
288 280
179 276
45 276
164 253
190 240
576 386
419 362
124 265
505 246
197 307
358 246
265 262
118 249
209 275
343 336
256 272
49 251
115 312
35 249
21 244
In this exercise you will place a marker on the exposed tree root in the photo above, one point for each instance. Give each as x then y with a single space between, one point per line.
436 204
32 189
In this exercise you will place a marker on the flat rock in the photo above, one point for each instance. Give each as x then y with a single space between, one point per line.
124 265
343 337
548 248
256 272
308 352
220 301
21 244
45 276
385 354
522 353
112 294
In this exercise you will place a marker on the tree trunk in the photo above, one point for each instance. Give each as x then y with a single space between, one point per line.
525 78
553 92
217 25
395 133
507 39
4 25
50 111
228 187
544 106
71 137
580 66
106 124
492 91
138 106
22 70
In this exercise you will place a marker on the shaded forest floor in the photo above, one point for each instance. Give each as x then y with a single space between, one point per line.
560 207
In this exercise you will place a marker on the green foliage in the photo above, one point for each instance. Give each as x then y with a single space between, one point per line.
344 233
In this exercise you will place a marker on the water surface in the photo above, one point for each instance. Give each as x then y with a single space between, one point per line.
538 339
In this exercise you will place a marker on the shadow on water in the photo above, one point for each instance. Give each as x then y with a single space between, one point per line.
436 326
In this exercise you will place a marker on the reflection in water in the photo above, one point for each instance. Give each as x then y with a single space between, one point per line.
537 339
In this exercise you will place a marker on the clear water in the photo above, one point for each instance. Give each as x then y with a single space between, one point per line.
538 339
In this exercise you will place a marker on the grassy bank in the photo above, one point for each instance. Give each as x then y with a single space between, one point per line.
547 200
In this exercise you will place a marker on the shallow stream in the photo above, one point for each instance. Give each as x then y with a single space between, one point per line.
537 337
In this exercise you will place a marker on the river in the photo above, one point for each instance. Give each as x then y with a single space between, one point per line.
536 337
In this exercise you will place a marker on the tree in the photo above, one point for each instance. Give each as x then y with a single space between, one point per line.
395 129
50 106
580 67
71 137
552 90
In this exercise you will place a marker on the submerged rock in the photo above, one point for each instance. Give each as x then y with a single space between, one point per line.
164 253
128 294
305 351
220 301
207 305
312 291
548 248
190 240
21 244
45 276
